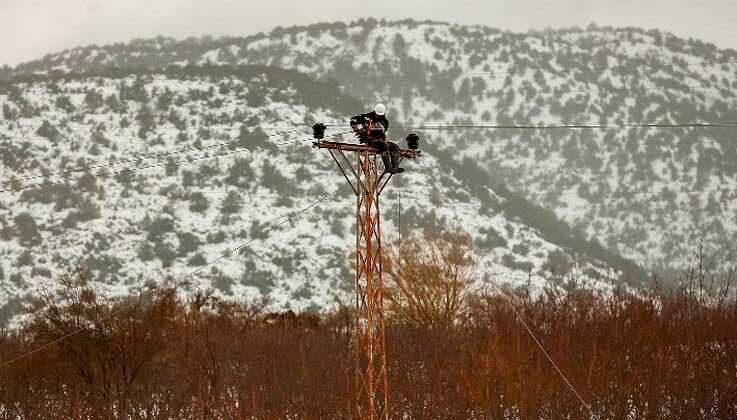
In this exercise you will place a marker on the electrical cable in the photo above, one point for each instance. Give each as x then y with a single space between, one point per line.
507 298
547 126
574 126
176 283
623 194
688 89
134 169
159 165
146 157
683 90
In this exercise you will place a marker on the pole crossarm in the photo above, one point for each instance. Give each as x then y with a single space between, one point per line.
362 148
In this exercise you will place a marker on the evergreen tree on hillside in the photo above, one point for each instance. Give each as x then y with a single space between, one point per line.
135 91
240 174
198 203
272 178
232 204
9 113
27 230
252 138
65 104
94 100
146 120
48 131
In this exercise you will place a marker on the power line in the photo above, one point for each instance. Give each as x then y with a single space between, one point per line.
549 126
145 157
339 134
509 145
261 200
555 91
503 148
5 137
508 299
684 89
135 169
176 283
622 194
182 192
272 199
85 245
159 165
574 126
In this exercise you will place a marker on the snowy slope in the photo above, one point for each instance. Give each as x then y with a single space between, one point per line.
196 200
649 194
680 184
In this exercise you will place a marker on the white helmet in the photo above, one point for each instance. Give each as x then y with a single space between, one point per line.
380 109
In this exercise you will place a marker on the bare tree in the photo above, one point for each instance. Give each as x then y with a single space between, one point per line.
428 278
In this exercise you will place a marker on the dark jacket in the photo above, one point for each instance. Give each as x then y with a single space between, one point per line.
370 116
367 135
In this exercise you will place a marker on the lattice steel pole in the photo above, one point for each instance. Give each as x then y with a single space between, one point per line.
371 373
368 181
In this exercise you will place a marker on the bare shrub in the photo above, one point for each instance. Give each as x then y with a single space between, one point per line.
665 354
428 279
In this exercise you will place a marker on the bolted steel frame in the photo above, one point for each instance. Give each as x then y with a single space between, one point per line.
367 181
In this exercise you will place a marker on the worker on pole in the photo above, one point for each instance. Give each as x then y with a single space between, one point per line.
370 128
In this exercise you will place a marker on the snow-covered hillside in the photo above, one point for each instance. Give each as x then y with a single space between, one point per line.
648 193
155 173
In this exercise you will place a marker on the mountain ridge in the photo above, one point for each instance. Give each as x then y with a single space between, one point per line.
175 217
201 45
427 72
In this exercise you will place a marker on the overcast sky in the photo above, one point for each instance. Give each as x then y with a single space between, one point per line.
31 28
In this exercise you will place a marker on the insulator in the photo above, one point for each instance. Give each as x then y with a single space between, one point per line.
319 131
413 141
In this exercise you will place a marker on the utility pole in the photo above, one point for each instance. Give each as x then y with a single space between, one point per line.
362 171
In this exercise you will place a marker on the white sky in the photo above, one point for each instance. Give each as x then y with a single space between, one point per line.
31 28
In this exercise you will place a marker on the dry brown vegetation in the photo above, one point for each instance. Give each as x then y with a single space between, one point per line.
428 279
664 355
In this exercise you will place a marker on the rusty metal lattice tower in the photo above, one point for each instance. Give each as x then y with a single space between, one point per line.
368 181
